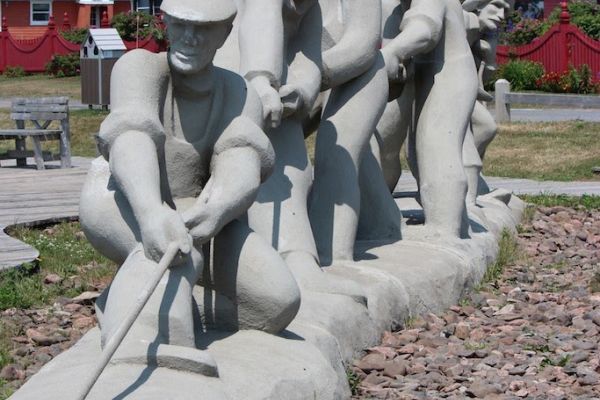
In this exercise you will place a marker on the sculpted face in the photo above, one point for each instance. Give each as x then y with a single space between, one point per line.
193 46
493 13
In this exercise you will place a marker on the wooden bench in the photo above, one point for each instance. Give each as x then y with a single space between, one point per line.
40 112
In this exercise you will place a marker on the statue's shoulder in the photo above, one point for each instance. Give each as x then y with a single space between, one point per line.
232 81
139 60
241 98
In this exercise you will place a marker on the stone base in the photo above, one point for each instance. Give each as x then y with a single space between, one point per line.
307 361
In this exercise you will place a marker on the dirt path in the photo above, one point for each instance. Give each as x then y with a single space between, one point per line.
533 333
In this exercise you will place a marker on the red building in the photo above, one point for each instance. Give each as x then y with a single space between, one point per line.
28 18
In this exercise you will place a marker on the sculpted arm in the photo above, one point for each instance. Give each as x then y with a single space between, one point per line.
354 54
472 26
304 74
131 137
421 30
262 55
242 159
137 173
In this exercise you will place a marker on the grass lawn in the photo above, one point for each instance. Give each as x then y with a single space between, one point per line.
586 202
64 251
561 151
84 125
39 86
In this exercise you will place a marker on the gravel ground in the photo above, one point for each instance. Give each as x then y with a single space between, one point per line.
531 334
44 333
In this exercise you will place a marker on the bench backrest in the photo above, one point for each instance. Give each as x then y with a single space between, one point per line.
40 109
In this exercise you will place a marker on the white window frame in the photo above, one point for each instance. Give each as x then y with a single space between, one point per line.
144 9
97 16
31 3
152 9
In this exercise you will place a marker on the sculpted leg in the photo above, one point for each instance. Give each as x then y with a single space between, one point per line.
484 131
342 137
106 219
380 218
107 228
249 286
484 128
441 130
280 213
473 165
170 304
391 133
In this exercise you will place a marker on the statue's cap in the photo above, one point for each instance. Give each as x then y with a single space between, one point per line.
472 5
200 11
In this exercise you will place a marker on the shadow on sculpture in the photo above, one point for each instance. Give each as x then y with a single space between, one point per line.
213 161
184 156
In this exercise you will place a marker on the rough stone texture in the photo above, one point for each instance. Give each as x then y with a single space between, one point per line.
184 155
532 333
433 34
307 361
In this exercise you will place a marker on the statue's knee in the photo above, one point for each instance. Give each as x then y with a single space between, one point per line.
285 303
275 295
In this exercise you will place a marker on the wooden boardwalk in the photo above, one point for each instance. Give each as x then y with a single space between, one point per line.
31 197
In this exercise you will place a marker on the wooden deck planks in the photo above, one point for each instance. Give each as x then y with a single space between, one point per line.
29 196
14 253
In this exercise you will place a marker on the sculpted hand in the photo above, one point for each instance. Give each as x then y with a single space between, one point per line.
271 102
291 98
394 67
203 223
164 227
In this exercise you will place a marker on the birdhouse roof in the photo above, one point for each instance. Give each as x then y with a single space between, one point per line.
107 39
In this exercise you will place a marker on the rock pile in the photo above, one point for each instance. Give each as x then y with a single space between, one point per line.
39 335
531 334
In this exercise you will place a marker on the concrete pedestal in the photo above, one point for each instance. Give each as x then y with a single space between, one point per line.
307 361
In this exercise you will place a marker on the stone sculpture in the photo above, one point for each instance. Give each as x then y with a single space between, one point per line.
397 119
355 97
184 156
286 72
433 33
483 19
213 158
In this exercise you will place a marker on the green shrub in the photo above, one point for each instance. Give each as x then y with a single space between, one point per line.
127 25
584 13
75 35
524 32
61 66
14 71
590 24
522 75
580 80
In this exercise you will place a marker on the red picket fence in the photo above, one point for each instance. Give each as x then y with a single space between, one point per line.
147 44
563 45
34 54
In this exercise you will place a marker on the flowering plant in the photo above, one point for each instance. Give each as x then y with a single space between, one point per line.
576 80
